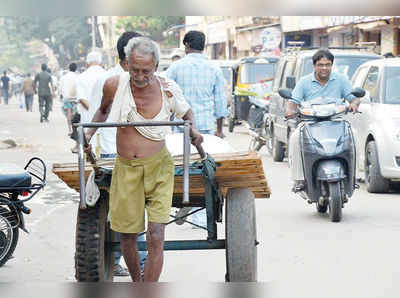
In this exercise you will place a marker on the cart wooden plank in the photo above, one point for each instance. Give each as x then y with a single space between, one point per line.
234 170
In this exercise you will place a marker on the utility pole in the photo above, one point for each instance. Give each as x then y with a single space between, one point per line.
110 26
93 34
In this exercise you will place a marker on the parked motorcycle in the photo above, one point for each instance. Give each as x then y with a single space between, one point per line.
258 124
17 186
328 153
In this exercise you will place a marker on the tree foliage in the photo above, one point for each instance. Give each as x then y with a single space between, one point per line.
68 37
152 26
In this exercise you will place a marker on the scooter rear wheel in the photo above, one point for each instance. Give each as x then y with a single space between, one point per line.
335 202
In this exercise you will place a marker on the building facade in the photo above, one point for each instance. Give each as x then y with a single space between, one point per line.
343 31
238 36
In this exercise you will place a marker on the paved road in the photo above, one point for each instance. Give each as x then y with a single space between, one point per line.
297 245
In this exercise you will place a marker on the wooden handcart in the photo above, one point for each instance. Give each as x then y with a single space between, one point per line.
235 179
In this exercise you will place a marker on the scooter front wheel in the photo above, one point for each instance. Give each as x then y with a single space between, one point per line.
335 202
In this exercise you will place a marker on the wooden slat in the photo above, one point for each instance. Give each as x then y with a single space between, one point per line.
234 170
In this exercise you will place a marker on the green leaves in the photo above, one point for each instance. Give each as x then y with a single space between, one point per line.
152 26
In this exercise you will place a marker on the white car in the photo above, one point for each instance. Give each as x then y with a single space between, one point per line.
377 128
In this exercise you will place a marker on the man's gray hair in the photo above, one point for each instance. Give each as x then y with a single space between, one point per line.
145 46
94 57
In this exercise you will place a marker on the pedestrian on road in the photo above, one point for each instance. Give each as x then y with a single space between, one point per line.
143 174
44 87
84 86
107 136
203 86
68 93
54 82
5 85
28 89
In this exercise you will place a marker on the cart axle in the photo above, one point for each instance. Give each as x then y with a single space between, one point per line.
181 245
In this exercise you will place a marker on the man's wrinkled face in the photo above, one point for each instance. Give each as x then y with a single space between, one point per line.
141 68
323 68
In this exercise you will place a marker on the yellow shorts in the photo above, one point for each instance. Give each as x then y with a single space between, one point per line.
139 184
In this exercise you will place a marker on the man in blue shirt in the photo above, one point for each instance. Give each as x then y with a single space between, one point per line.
202 83
203 86
321 83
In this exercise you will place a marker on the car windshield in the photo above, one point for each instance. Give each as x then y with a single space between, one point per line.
227 73
254 72
345 65
392 85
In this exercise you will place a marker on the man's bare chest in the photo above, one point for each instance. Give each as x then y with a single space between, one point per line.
148 104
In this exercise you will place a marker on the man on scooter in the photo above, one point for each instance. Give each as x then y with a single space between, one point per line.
322 82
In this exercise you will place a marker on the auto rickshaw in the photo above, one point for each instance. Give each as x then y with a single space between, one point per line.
248 72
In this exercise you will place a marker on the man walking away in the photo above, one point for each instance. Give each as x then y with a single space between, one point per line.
28 89
203 86
68 93
43 79
5 83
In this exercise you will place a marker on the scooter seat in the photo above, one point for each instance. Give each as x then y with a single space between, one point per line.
13 176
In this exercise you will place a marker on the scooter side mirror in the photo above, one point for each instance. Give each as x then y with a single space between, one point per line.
285 93
358 92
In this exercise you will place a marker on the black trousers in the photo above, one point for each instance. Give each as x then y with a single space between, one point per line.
76 118
44 106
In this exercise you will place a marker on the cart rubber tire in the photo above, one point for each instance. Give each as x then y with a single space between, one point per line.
373 178
13 220
335 202
94 262
278 152
241 236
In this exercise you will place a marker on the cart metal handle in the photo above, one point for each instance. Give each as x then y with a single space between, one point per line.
186 151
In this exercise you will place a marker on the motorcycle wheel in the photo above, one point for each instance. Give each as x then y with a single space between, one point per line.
335 202
255 145
231 124
268 137
9 234
268 145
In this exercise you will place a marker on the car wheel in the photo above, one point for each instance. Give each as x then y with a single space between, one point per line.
373 178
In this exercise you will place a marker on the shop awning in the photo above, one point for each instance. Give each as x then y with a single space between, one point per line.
370 26
335 29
